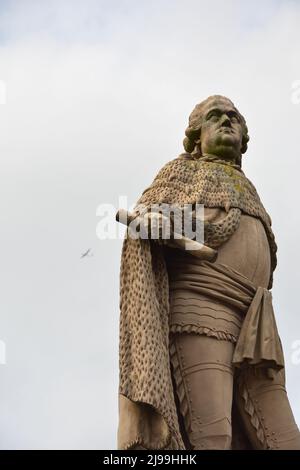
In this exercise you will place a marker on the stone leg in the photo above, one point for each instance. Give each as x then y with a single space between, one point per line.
265 410
203 378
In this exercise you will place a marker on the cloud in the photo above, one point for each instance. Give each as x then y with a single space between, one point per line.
98 97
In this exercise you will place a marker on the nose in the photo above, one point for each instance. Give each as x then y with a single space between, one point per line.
225 121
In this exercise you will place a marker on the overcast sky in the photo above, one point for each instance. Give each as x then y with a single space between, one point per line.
98 95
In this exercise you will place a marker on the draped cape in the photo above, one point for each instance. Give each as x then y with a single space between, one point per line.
148 416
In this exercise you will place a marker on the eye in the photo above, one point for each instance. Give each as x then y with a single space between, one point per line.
234 118
213 116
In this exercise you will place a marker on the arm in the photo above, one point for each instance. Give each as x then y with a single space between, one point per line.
148 221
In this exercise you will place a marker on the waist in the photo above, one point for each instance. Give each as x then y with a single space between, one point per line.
258 343
215 282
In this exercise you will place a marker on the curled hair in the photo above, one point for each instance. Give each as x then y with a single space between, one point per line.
193 131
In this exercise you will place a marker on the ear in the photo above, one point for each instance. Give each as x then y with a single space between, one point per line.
197 149
198 141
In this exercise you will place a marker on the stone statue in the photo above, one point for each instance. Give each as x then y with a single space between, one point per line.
201 362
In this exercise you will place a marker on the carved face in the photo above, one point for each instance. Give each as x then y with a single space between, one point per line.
221 130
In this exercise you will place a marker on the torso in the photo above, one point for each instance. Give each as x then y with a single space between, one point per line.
247 251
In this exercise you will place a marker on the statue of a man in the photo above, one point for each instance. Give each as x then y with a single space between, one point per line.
201 362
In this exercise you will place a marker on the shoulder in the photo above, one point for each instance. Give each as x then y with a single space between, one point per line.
177 162
172 168
166 179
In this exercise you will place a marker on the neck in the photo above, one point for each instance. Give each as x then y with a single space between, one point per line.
217 158
232 159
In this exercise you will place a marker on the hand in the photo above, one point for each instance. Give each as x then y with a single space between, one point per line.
151 226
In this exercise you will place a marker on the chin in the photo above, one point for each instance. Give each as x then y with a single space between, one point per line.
227 139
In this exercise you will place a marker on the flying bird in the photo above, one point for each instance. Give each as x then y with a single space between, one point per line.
86 253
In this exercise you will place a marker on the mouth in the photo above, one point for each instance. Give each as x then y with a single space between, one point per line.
226 130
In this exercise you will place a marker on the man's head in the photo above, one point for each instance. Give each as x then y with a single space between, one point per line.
217 128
